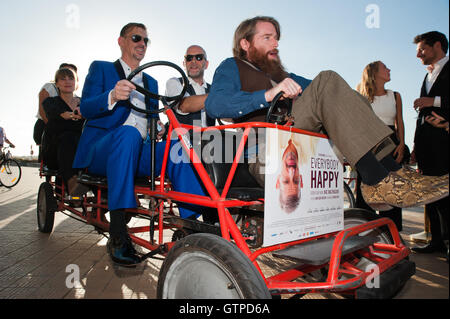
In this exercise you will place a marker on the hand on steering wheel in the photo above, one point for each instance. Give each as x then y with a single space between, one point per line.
279 118
122 91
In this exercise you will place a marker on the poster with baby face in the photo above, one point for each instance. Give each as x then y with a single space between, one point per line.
303 187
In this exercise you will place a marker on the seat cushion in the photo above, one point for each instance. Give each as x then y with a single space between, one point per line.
217 156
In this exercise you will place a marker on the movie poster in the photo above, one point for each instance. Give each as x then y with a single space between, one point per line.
304 187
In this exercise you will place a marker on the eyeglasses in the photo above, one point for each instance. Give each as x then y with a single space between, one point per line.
198 57
137 38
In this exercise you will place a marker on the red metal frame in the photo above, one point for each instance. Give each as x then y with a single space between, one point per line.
93 213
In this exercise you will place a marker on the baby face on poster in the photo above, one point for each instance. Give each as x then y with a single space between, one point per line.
289 180
287 153
303 187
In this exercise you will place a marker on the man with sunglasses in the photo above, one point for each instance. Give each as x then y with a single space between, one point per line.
112 142
191 110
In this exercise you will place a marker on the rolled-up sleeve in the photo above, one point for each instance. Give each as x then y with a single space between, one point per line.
174 88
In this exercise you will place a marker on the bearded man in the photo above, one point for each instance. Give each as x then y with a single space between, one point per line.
244 86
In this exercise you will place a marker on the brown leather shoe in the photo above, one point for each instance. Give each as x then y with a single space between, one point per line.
398 191
422 180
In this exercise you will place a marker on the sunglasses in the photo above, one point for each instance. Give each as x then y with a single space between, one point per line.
137 38
198 57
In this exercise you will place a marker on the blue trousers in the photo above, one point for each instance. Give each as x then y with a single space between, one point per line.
121 155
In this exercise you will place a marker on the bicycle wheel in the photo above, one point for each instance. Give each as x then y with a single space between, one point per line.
205 266
349 198
10 173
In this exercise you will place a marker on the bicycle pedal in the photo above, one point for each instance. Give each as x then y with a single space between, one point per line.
73 198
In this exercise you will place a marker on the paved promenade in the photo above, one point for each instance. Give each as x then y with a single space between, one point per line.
35 265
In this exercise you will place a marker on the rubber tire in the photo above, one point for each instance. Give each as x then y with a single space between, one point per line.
350 196
20 173
46 207
226 260
365 216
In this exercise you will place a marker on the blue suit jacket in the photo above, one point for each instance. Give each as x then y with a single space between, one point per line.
101 79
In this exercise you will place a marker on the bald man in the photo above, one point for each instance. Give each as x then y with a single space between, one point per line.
191 110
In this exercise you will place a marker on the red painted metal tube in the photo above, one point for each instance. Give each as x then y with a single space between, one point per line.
236 159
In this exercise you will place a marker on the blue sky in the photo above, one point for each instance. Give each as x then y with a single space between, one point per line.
316 35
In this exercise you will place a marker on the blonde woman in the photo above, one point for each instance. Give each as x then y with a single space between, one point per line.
387 105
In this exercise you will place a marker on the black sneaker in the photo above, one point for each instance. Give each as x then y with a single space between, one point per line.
122 252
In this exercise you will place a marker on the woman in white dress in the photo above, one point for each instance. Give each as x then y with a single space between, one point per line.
387 105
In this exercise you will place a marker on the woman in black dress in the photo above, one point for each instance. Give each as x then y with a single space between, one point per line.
63 130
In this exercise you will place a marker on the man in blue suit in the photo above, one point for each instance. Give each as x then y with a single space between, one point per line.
112 143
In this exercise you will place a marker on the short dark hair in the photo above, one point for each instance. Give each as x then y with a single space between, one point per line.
431 38
129 26
68 65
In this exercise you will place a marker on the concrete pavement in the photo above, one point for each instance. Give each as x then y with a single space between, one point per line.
35 265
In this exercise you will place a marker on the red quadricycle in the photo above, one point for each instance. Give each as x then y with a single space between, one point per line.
365 258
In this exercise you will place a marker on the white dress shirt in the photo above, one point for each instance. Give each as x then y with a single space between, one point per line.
432 76
174 87
135 119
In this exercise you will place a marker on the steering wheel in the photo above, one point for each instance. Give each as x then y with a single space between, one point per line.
278 118
164 99
275 118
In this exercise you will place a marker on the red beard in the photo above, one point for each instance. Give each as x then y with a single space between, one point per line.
272 67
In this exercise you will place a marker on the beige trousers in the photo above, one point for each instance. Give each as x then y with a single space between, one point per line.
329 105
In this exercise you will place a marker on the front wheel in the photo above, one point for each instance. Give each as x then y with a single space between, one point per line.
349 198
10 173
357 216
205 266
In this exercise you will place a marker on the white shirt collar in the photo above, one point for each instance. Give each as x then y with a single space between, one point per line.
442 61
127 69
440 64
192 82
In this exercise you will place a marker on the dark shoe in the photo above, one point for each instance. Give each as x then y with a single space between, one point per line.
430 248
422 237
122 252
75 188
210 216
395 190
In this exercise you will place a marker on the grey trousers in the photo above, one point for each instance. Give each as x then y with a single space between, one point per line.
329 105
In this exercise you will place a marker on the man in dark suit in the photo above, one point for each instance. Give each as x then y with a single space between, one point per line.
112 142
431 143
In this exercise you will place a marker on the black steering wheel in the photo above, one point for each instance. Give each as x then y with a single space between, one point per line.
278 118
275 118
165 99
